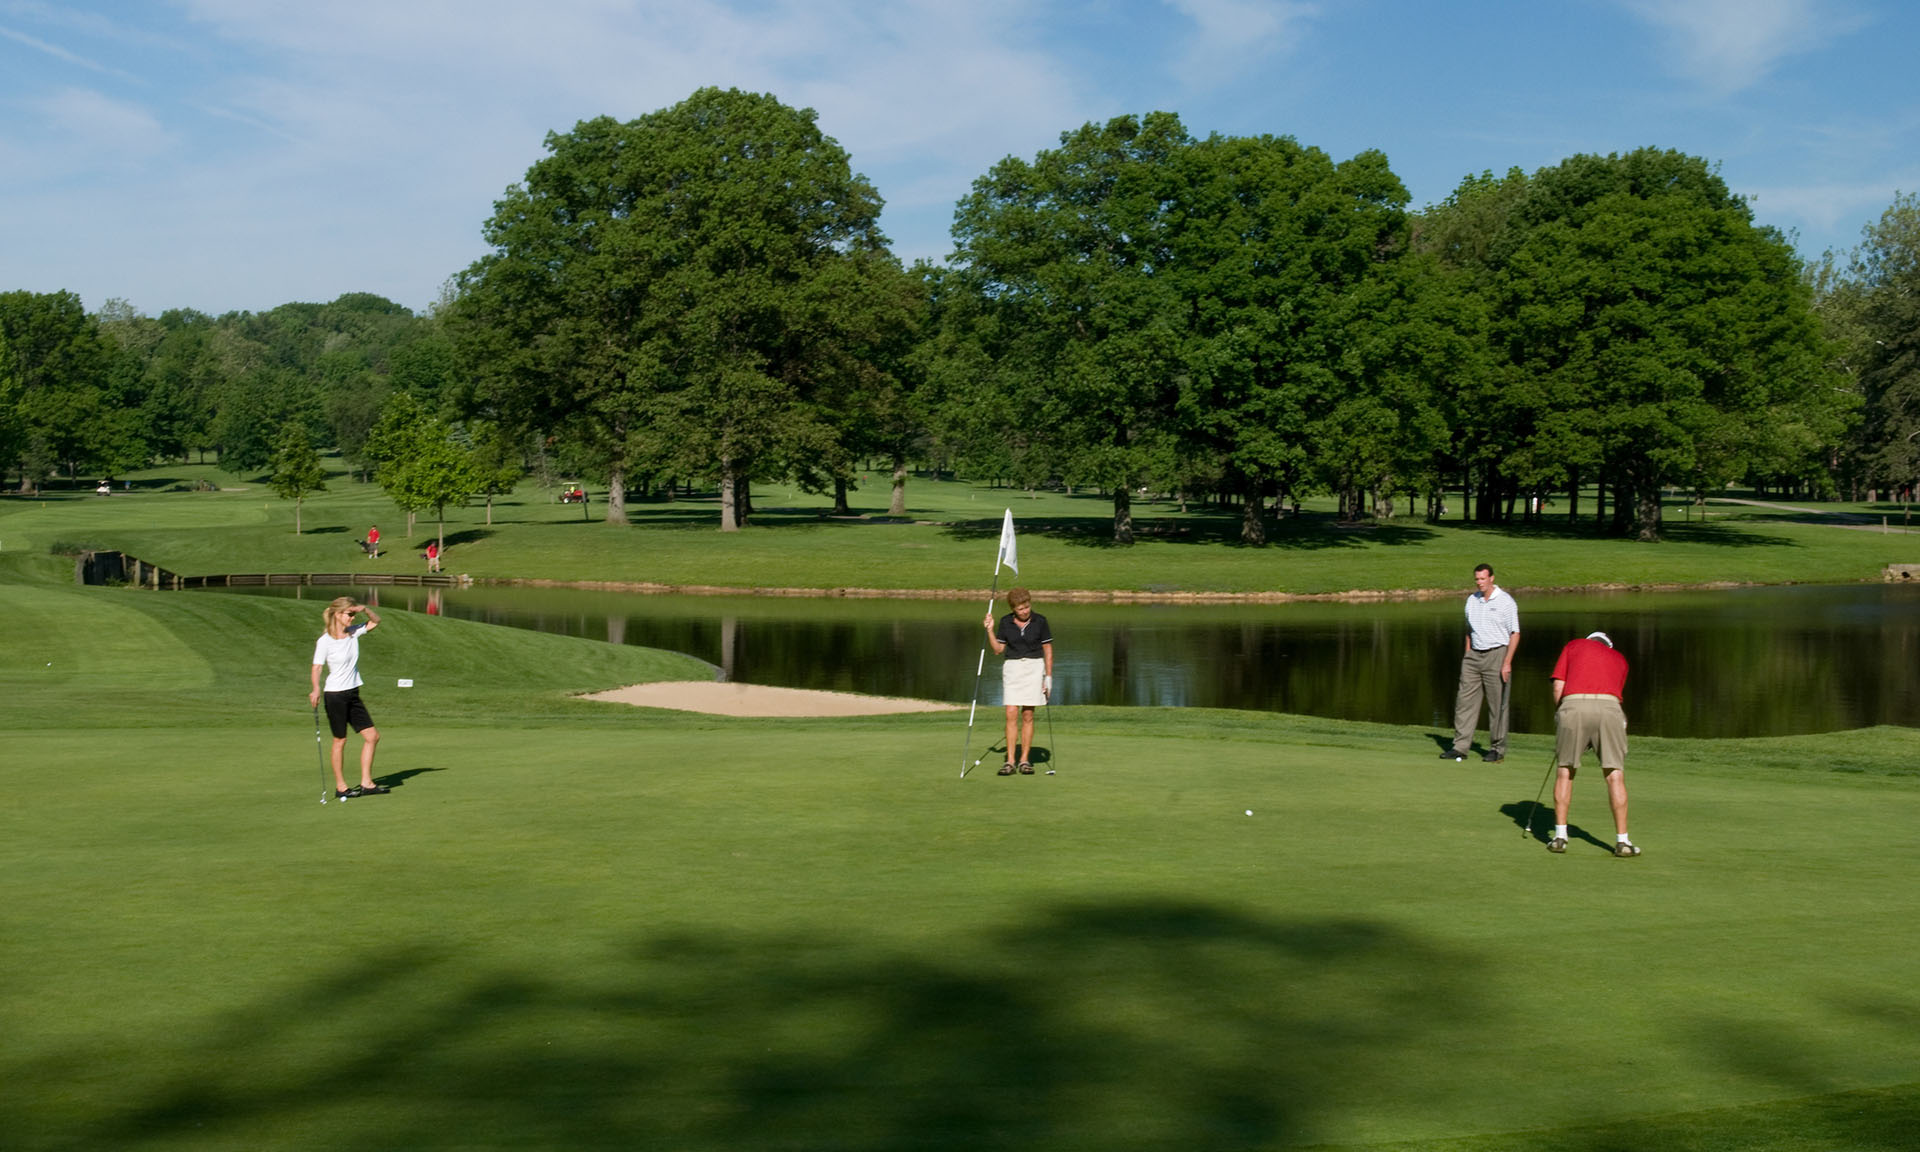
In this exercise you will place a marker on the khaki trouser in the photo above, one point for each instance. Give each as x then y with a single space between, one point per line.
1480 679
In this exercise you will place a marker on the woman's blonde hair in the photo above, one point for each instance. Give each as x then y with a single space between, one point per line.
1017 597
340 604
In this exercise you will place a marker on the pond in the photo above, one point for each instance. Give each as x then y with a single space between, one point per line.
1741 662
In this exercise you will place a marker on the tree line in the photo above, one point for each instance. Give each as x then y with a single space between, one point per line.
704 295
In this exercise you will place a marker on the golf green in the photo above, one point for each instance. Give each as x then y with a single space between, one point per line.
587 925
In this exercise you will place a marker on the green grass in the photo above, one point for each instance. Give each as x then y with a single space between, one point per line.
583 925
1064 542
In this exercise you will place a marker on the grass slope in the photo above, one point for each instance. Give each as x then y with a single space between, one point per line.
578 925
243 528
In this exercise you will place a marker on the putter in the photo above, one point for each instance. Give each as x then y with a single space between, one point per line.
1053 757
320 747
1527 832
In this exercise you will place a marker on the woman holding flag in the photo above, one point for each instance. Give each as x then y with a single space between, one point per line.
1026 679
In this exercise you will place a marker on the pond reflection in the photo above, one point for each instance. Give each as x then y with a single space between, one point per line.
1742 662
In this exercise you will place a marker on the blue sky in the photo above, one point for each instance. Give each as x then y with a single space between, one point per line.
238 154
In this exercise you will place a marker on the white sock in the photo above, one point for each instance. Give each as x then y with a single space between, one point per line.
1559 831
1621 838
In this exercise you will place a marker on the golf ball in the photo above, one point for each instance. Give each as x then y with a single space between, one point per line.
1249 811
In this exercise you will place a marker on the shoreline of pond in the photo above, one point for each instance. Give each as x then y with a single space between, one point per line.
1099 596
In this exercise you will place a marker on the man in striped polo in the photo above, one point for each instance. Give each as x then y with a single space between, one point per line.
1588 681
1486 669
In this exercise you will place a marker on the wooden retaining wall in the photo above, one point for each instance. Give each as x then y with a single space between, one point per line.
120 568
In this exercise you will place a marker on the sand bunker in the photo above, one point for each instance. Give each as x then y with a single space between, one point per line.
758 700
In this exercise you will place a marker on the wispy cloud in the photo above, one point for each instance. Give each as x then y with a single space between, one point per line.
1229 36
93 123
62 54
460 96
1726 46
1829 207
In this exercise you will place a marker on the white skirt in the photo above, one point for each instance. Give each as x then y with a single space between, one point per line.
1022 682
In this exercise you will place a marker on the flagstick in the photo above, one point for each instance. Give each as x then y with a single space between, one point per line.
967 748
1004 556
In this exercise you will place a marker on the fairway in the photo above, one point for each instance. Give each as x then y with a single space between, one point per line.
589 925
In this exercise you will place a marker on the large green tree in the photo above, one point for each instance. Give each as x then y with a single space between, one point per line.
1308 365
1069 258
59 367
1639 318
1871 304
684 290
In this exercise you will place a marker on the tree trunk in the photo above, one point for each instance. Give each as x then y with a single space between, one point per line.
296 517
617 496
897 503
840 505
1573 495
1122 515
1253 517
743 500
729 510
1646 514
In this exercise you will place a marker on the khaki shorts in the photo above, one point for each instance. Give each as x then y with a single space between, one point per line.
1595 722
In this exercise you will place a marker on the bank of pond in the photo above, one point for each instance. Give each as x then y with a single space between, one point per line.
1725 663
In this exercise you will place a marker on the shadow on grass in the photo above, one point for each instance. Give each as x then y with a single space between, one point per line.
1541 830
1318 531
1716 535
1116 1024
397 779
1307 533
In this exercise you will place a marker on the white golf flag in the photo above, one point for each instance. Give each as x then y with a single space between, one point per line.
1007 555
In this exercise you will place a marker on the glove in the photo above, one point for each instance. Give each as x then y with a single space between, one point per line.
1046 685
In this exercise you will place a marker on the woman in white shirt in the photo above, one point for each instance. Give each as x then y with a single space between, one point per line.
337 655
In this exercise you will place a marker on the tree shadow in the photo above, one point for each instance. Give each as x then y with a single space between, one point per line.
1111 1024
1307 532
1716 535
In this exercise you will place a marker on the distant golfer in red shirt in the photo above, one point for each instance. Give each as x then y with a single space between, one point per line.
1588 680
373 542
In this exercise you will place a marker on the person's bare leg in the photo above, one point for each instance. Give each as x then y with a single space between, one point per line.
1562 794
1013 730
368 738
1026 735
339 753
1617 796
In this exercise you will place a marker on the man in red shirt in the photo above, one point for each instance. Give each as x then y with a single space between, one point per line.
1588 680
